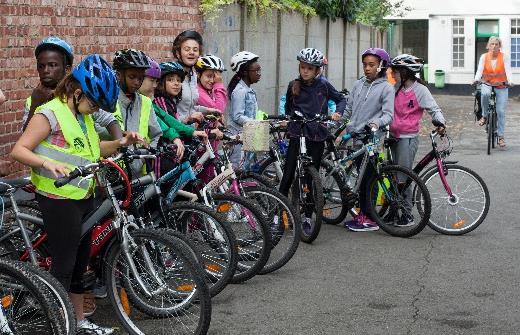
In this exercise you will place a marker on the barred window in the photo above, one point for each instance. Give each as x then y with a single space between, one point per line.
515 42
458 43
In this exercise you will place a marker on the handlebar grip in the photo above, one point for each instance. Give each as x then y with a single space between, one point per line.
437 123
275 117
65 180
212 136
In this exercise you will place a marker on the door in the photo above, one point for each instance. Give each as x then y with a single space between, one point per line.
484 29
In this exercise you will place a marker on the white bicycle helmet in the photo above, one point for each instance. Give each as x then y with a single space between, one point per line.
410 62
311 56
209 62
241 58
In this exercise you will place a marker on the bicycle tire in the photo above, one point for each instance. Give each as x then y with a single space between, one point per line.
268 170
464 228
180 267
490 132
21 291
317 205
57 293
394 197
284 224
335 207
206 245
254 244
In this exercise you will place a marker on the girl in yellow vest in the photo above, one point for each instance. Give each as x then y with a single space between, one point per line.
59 137
494 69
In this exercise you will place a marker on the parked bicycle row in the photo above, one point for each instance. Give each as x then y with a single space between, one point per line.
145 191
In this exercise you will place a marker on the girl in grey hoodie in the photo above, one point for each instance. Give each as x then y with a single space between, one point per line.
371 102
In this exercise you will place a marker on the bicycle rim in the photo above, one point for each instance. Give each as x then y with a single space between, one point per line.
468 207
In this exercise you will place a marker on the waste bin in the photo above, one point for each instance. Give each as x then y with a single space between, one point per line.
439 78
425 72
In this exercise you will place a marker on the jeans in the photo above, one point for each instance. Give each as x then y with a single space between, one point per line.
404 152
501 99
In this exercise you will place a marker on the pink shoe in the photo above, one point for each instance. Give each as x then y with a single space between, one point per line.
361 223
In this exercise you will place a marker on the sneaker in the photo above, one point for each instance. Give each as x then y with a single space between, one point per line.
100 290
307 226
86 326
89 304
406 220
361 223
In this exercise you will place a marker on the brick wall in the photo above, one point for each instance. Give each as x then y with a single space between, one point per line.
91 26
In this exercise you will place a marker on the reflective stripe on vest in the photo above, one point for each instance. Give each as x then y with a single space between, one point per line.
144 117
82 150
497 75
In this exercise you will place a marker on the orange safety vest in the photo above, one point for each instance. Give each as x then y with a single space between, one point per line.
497 75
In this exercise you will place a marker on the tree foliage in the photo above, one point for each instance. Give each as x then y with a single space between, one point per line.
369 12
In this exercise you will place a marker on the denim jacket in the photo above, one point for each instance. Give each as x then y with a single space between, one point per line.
243 107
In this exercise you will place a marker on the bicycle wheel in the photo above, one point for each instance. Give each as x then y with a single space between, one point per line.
468 207
57 293
284 224
397 189
251 230
312 194
157 279
26 307
490 131
495 134
211 239
335 208
269 168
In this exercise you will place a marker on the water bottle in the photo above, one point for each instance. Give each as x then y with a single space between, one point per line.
281 109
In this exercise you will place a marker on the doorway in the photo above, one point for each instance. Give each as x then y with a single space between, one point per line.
484 29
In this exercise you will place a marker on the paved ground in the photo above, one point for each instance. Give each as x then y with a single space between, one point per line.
372 283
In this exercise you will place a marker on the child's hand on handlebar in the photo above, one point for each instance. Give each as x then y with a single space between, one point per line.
335 116
200 133
132 137
57 170
180 147
196 117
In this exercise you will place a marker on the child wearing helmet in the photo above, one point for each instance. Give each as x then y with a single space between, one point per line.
59 137
133 110
308 94
244 105
212 92
163 99
54 58
371 102
412 98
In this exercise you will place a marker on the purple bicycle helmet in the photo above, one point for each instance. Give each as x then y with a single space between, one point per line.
154 71
379 53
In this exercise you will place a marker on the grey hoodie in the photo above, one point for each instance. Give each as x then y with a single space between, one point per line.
370 102
190 96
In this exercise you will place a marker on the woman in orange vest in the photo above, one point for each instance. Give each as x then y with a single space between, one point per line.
494 69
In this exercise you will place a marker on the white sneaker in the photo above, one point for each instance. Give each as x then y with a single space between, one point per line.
85 326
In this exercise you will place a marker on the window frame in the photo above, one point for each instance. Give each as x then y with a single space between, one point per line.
515 55
458 58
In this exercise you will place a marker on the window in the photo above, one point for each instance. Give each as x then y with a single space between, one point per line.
458 43
515 43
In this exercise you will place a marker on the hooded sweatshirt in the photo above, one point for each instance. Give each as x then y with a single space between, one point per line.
190 94
370 102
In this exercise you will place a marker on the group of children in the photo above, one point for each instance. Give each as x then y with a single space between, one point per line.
76 115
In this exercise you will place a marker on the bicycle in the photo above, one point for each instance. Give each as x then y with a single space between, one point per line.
460 197
148 273
492 118
392 191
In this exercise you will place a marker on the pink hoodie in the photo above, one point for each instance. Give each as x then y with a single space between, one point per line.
216 99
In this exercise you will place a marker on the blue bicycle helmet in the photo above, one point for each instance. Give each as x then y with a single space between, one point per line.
172 67
53 42
98 81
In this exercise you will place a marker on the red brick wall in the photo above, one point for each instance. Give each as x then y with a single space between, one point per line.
90 26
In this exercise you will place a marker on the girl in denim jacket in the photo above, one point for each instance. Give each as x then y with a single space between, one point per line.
243 98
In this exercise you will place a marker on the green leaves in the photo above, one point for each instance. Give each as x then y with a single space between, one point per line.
369 12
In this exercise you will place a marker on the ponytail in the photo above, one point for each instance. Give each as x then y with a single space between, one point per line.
233 83
296 87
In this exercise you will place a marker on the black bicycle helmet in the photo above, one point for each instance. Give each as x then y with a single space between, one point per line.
130 59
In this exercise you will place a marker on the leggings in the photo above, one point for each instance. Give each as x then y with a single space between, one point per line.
314 149
70 253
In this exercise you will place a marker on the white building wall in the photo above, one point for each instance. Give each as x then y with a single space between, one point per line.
440 46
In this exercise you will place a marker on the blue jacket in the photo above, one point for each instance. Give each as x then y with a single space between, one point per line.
312 100
243 107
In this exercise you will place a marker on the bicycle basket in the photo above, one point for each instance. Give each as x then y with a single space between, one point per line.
255 136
